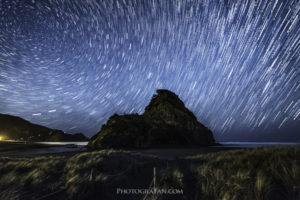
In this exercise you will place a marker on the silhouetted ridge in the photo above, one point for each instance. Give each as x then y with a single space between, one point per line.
166 121
16 128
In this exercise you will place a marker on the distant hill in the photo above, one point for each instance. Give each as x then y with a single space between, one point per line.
16 128
166 121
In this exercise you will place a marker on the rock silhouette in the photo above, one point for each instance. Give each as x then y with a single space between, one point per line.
165 122
16 128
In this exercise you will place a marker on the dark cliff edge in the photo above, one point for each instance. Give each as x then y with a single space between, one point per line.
16 128
165 122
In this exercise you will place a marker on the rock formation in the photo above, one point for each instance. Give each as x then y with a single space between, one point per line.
165 122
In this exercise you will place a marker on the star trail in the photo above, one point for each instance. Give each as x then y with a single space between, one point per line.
71 64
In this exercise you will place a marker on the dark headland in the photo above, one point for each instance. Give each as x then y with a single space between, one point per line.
18 129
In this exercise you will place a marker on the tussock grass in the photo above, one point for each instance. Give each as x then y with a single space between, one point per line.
25 176
262 173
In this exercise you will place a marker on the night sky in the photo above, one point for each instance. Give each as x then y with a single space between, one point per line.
71 64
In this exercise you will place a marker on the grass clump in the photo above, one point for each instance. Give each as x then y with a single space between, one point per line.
262 173
27 176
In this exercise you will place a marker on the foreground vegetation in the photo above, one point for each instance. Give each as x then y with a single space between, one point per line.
262 173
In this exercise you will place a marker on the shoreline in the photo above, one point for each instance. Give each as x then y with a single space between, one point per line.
35 149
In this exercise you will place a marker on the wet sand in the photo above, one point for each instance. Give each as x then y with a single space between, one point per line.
31 149
183 152
22 149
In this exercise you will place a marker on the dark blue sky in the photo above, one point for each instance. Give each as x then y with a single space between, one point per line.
70 64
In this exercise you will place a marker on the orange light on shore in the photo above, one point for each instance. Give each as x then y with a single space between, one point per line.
2 137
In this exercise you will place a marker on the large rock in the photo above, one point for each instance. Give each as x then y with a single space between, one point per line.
165 122
16 128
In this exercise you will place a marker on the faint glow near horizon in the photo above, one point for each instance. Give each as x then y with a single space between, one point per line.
64 143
